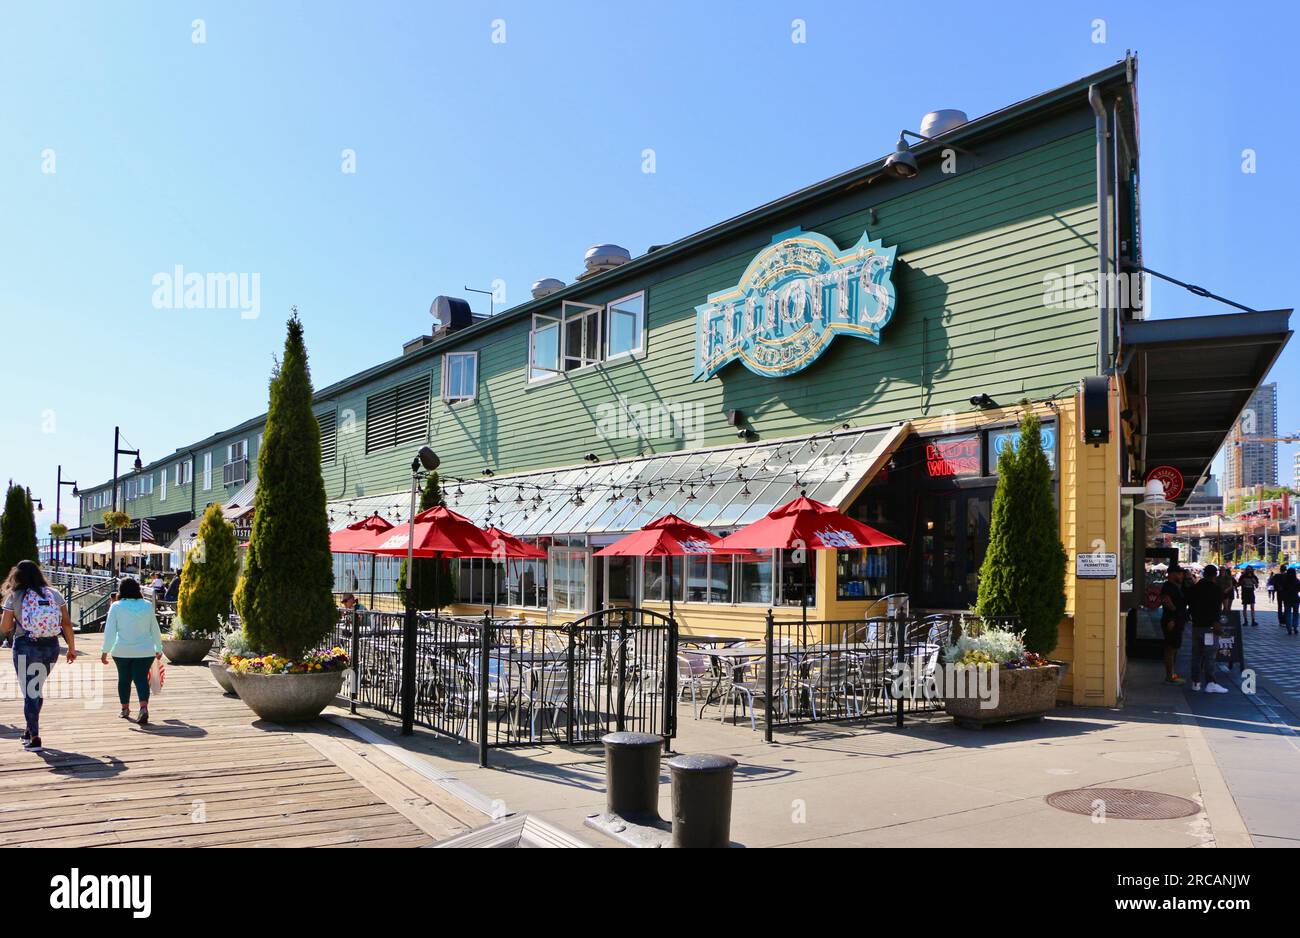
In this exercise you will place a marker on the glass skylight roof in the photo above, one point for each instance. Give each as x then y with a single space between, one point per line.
722 488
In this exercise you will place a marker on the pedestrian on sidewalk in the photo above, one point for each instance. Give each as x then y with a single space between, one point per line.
1272 584
36 613
133 638
1248 582
1205 602
1173 616
1288 601
1227 584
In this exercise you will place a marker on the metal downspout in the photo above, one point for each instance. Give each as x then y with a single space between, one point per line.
1103 230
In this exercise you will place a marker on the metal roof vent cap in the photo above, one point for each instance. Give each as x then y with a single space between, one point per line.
942 121
546 286
601 257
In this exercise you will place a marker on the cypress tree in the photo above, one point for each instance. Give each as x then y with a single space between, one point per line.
424 595
284 596
1023 573
208 578
17 529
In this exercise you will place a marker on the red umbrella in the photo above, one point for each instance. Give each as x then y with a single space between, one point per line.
439 532
510 546
669 536
808 525
358 534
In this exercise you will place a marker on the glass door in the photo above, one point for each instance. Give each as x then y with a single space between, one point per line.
953 536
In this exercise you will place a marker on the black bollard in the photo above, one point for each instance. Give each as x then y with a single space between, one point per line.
702 800
632 776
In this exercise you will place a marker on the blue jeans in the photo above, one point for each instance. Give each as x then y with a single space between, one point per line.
1289 615
33 660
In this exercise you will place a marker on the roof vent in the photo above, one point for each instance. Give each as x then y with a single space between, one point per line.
603 257
546 286
451 313
940 122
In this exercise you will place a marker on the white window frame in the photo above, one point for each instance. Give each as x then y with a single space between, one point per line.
184 472
536 373
207 471
447 396
243 451
639 350
162 485
145 486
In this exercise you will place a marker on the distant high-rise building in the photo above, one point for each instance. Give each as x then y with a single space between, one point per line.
1295 479
1247 464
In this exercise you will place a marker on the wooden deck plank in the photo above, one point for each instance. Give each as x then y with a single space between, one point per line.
104 782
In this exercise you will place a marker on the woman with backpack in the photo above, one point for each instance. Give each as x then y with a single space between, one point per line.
36 613
132 637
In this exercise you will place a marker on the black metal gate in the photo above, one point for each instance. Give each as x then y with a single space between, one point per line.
510 684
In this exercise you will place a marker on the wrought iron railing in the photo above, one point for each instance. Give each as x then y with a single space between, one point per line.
499 683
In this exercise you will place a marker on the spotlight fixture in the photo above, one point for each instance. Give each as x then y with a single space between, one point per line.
983 401
591 457
488 472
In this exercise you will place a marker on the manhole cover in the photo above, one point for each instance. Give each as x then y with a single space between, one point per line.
1125 804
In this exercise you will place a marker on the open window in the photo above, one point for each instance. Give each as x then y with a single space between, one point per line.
626 326
582 335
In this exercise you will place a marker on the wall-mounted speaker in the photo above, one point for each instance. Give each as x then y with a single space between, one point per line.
1094 409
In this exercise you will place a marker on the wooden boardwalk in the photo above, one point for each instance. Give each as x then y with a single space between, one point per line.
207 772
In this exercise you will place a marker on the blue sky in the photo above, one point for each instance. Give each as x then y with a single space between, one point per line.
479 160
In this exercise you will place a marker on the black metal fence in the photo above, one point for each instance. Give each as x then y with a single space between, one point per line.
828 671
500 683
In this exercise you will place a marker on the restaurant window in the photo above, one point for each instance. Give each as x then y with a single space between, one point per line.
754 578
664 575
569 578
329 436
524 583
459 376
184 472
867 573
146 484
398 415
621 579
796 576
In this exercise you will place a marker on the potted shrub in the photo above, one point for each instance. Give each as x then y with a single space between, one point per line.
207 584
991 678
284 595
235 647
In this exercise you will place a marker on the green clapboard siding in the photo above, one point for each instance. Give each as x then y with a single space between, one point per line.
974 250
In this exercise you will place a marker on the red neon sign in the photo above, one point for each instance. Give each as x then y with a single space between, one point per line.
953 457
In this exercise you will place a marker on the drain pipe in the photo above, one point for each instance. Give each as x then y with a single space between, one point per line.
1103 230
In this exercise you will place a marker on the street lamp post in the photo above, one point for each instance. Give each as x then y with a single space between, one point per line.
426 461
58 505
118 451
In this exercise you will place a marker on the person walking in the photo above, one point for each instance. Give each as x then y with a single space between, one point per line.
1248 582
35 613
1288 601
133 638
1205 602
1272 584
1173 616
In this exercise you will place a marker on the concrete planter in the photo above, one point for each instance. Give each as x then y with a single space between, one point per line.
1022 694
186 650
287 698
222 677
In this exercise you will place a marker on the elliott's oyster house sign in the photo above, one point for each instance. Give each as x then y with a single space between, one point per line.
794 298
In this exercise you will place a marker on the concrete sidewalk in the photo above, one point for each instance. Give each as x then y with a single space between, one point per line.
1253 733
928 784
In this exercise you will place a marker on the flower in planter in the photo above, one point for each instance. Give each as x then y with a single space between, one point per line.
58 530
116 520
336 659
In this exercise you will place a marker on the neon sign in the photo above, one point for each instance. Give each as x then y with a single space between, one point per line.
793 299
953 457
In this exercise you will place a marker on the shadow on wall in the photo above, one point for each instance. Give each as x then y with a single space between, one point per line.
855 378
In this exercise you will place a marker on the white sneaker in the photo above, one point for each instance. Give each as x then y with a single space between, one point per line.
1196 687
1213 688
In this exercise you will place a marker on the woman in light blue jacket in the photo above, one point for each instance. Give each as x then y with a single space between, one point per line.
132 637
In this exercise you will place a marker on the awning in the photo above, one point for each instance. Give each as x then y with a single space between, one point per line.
1191 378
721 489
239 505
